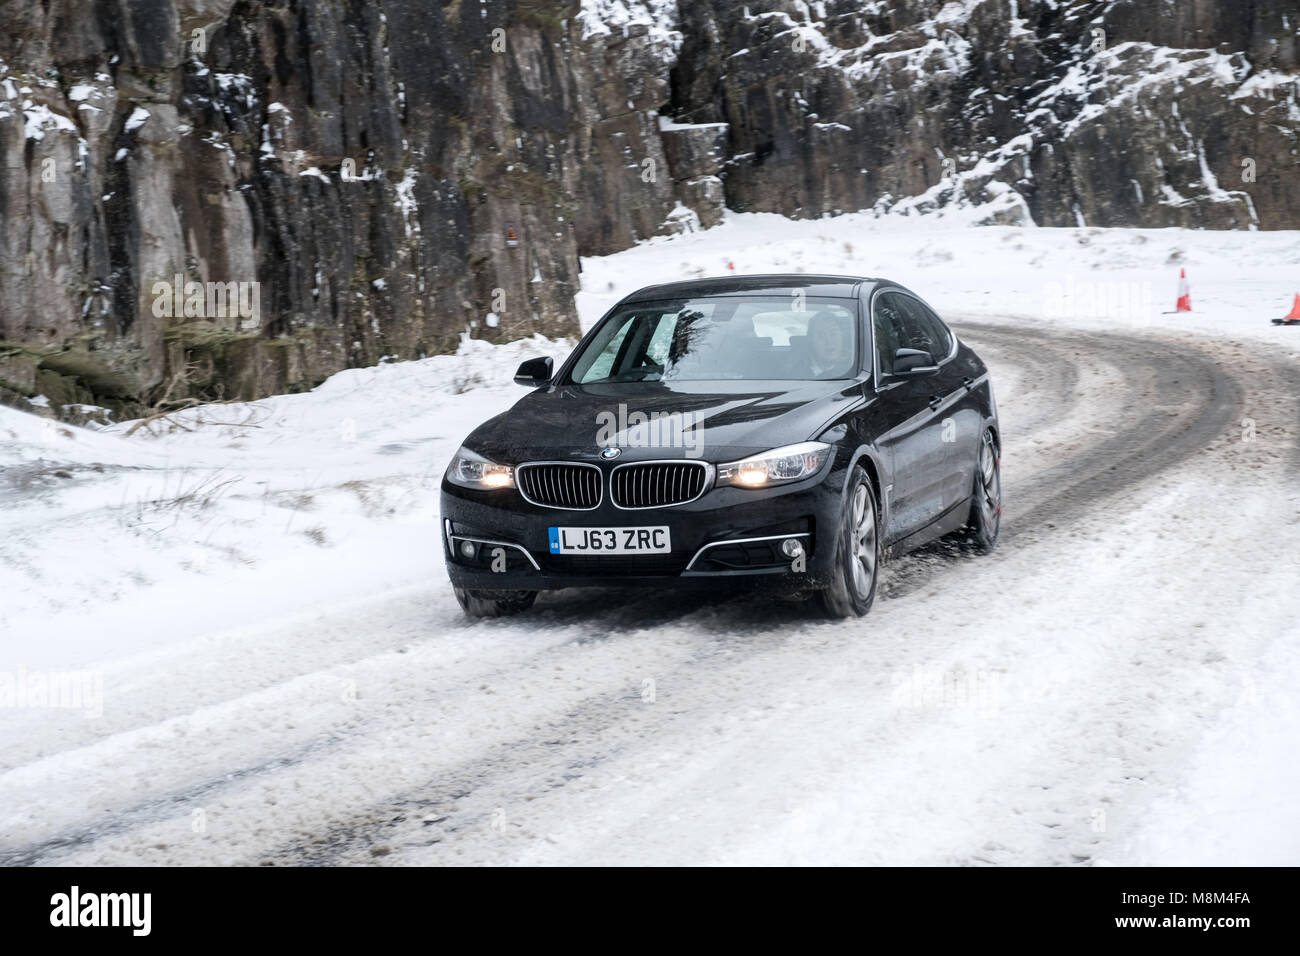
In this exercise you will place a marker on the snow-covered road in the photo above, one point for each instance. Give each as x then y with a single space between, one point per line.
1040 705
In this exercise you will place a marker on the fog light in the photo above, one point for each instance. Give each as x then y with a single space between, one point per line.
792 547
467 549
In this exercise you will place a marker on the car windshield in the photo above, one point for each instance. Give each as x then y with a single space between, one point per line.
744 338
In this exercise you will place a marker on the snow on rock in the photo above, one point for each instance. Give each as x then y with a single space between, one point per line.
40 119
407 203
139 116
658 18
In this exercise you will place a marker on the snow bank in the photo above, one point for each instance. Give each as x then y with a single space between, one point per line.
114 544
1083 277
1236 805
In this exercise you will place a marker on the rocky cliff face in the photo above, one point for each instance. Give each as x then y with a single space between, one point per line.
1105 112
211 198
389 174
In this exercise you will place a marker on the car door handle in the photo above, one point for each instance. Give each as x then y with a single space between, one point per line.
968 382
936 401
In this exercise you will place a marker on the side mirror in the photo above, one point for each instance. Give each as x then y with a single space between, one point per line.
913 362
534 372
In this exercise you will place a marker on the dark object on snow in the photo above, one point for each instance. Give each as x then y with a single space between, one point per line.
788 431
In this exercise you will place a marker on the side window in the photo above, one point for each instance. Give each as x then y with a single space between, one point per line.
924 330
602 364
888 329
942 331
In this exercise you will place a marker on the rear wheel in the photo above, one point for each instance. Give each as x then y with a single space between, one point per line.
986 500
857 555
479 603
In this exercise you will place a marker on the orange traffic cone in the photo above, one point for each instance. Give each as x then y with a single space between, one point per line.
1184 303
1293 317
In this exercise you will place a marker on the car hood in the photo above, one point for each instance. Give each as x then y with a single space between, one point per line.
712 421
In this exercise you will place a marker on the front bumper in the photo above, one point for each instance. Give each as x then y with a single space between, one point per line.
728 534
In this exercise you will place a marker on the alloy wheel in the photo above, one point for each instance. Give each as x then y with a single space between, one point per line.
990 487
863 541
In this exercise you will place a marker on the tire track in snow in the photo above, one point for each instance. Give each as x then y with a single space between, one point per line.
1179 402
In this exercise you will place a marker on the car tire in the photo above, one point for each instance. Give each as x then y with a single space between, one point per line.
985 520
856 568
478 603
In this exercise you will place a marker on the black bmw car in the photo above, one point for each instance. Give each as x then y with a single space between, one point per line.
788 430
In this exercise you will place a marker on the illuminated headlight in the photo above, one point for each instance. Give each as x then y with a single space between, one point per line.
471 470
774 467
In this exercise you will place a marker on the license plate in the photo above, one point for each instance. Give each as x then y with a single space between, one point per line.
609 540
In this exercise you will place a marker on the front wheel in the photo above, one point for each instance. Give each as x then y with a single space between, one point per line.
857 556
985 519
479 603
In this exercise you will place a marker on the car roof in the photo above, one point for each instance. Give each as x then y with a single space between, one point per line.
832 286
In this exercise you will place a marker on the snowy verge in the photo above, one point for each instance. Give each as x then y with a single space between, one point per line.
1236 805
1097 279
225 515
